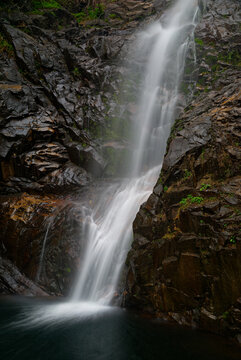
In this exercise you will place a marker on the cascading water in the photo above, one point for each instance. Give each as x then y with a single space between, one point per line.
108 227
40 267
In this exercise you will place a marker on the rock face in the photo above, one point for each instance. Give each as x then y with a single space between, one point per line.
56 85
40 236
13 282
185 261
59 79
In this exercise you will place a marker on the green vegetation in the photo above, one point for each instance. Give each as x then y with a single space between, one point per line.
215 67
160 180
225 315
187 174
191 200
45 4
76 71
189 107
38 6
177 126
184 88
199 41
165 188
112 16
5 46
90 13
204 187
232 240
232 57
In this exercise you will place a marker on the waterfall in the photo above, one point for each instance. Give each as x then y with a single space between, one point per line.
107 229
41 260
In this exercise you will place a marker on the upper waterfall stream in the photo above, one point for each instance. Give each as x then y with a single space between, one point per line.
107 228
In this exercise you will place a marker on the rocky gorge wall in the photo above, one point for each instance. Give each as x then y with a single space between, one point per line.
185 261
59 82
60 70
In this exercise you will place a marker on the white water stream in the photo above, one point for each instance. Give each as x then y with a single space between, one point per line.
107 229
41 260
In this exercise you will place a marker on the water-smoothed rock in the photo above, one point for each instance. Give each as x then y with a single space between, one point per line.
88 157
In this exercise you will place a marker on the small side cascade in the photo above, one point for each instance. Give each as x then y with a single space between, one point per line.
41 259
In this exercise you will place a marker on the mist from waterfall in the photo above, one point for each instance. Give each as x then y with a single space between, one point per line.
107 229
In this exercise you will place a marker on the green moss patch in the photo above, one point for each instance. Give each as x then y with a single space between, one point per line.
45 4
5 46
90 13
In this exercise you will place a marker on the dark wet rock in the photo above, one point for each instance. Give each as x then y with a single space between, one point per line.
16 101
30 224
58 86
65 179
15 185
43 159
13 282
218 44
184 264
87 157
186 140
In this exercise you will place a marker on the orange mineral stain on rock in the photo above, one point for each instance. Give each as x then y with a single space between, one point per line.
16 87
23 208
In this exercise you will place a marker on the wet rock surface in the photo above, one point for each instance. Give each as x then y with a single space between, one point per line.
59 83
184 264
13 282
40 236
56 88
59 80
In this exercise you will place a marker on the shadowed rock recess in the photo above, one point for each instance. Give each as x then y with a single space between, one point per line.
185 261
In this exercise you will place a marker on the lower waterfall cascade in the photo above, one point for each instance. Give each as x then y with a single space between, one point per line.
107 229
